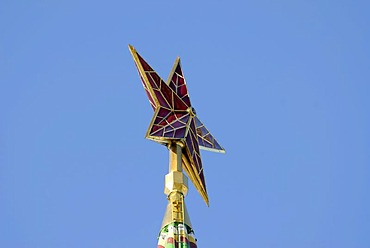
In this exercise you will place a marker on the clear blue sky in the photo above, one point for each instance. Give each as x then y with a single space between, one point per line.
283 85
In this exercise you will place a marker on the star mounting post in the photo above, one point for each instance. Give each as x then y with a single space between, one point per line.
176 125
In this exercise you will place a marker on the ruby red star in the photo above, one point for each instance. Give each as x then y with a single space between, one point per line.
175 119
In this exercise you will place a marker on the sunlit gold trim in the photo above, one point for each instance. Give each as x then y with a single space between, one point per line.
143 74
177 61
194 177
211 149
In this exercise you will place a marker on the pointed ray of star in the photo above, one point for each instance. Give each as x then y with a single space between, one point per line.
175 119
177 83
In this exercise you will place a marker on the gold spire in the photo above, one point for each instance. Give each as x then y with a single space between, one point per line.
176 188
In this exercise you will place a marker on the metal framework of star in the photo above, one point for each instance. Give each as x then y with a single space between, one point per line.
175 119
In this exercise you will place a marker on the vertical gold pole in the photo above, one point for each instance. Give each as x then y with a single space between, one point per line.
175 151
176 186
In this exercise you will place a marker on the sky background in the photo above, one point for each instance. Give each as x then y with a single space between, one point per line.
283 85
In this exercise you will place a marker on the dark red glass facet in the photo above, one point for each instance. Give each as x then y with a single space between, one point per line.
144 64
171 118
162 101
180 133
177 84
163 112
177 124
169 134
158 133
185 118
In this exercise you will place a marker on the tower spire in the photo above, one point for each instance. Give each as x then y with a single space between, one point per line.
176 229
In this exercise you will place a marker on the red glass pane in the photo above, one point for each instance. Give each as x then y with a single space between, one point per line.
144 64
171 118
189 145
154 85
163 112
178 104
167 93
151 101
177 124
168 128
200 141
162 122
205 138
169 134
185 118
179 114
181 86
177 84
209 138
198 123
156 80
180 133
162 101
178 68
158 133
